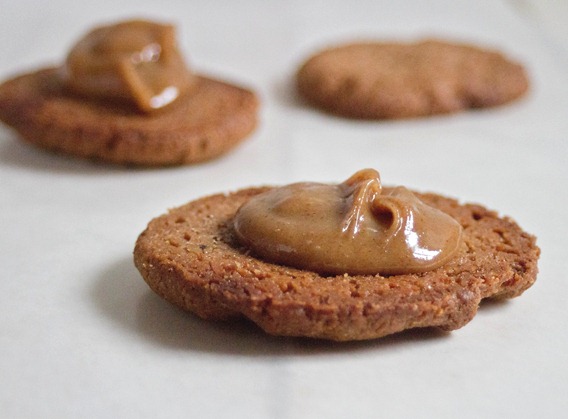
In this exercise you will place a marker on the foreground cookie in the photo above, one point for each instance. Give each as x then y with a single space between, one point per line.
124 95
193 258
395 80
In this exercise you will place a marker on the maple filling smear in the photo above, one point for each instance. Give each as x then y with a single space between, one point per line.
355 227
135 61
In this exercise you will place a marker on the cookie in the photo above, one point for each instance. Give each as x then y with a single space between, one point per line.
125 95
376 80
191 257
205 124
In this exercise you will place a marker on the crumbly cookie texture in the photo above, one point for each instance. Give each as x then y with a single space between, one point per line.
376 80
191 258
208 122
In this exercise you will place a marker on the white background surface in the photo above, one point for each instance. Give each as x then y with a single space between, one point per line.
82 336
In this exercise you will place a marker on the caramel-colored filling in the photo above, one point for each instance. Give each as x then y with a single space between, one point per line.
354 227
137 61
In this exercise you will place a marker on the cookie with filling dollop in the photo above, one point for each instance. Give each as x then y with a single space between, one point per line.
125 94
347 261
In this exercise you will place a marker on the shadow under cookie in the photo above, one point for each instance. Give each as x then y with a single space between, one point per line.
123 300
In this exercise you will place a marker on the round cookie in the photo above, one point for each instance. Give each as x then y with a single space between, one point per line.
191 258
396 80
204 124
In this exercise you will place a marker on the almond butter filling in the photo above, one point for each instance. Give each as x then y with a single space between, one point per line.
354 227
137 61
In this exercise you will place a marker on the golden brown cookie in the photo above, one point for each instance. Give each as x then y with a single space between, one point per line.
376 80
190 257
202 125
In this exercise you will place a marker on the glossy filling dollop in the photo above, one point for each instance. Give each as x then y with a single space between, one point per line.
354 227
137 61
